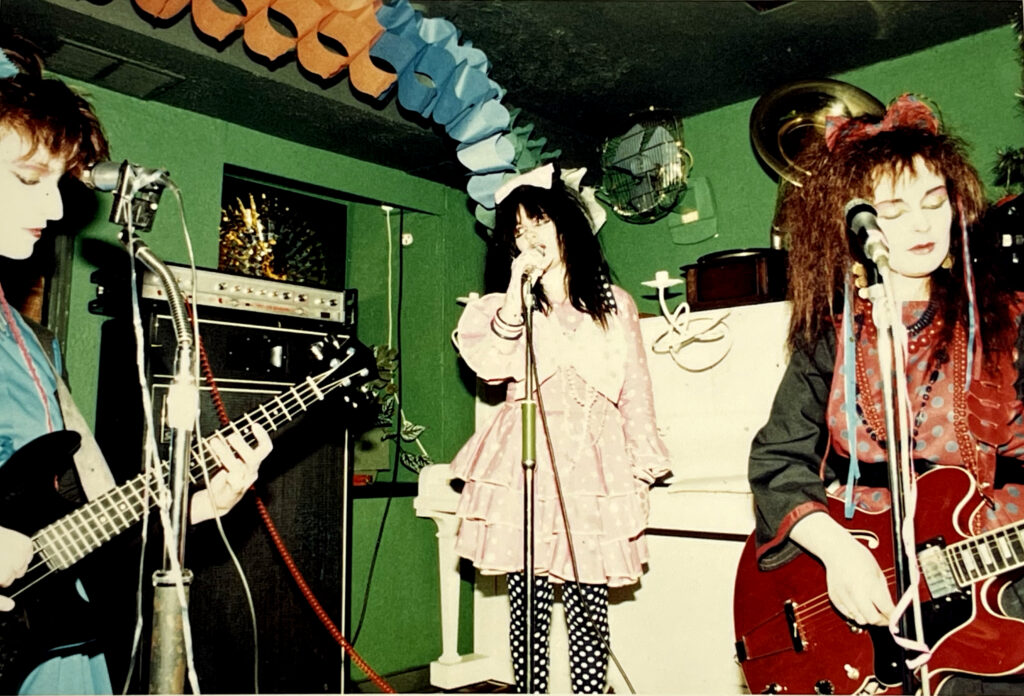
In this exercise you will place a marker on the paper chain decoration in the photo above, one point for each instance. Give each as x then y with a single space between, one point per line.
434 75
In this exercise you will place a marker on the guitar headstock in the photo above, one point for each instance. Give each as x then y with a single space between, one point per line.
349 367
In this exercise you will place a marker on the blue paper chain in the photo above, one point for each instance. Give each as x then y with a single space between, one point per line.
441 79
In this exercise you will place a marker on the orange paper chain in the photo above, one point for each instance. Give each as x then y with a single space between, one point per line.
351 23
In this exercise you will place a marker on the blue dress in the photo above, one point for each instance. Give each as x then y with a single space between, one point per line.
23 419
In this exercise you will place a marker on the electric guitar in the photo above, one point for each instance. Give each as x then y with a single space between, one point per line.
789 637
63 534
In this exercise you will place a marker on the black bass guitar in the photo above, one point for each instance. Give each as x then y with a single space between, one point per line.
63 533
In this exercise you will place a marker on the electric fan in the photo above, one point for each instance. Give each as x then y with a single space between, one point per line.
644 170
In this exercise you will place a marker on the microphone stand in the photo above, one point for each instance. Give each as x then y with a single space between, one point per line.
529 461
884 315
168 644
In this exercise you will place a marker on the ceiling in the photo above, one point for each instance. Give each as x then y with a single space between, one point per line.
577 68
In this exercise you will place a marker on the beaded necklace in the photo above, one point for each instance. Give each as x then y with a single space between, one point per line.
921 331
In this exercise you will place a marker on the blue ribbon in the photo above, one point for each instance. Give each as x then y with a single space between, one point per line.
850 389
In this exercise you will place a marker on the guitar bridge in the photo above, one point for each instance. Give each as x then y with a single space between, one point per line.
781 633
794 629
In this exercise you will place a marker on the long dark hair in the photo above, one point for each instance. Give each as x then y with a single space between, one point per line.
819 254
586 270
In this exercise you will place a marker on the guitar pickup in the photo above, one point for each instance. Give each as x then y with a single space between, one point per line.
937 572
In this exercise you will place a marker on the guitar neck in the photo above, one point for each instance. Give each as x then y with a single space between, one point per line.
73 537
986 555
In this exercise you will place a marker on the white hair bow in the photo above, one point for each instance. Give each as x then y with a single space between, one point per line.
541 177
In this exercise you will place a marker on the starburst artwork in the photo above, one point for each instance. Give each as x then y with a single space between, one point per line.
279 235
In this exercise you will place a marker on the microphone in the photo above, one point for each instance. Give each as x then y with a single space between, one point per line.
107 176
533 274
866 235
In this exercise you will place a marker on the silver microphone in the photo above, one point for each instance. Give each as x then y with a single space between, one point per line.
102 176
533 274
107 176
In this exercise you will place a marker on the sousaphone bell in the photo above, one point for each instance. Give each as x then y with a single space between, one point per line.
784 119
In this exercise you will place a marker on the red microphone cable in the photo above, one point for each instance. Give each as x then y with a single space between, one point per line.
286 556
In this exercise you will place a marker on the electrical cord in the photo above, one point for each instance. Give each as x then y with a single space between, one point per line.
565 516
286 556
398 427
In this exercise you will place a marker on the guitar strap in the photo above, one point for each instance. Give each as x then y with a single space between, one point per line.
93 471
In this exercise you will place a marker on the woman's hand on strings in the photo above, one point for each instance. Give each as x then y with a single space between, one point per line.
857 586
15 555
240 464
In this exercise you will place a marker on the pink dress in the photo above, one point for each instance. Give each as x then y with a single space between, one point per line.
597 394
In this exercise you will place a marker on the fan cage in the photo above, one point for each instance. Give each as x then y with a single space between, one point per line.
644 170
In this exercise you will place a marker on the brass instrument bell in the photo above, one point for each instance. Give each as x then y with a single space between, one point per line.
785 118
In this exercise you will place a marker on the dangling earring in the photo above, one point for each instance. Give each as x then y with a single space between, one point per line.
947 262
860 278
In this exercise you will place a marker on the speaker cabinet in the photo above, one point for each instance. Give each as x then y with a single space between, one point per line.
304 483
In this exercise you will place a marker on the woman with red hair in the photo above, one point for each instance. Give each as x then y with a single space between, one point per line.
955 327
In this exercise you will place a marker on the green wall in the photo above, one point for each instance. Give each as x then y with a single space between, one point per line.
973 80
444 261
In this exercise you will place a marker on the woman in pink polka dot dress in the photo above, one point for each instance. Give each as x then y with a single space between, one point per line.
596 393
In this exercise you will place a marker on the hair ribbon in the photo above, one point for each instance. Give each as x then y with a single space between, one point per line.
906 111
542 177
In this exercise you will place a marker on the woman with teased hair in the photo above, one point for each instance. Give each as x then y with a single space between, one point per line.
826 437
596 393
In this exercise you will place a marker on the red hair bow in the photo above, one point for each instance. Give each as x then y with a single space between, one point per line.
906 111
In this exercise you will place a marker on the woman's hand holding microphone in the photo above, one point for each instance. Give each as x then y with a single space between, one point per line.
530 262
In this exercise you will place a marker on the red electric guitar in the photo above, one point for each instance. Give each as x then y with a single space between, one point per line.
790 639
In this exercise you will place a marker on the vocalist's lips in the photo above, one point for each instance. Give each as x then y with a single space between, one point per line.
922 248
36 232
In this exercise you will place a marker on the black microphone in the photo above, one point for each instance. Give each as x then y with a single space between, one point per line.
107 176
865 234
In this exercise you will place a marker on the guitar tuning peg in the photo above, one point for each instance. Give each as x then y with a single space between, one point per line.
317 350
364 372
334 362
350 352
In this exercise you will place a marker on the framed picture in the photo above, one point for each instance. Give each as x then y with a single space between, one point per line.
281 230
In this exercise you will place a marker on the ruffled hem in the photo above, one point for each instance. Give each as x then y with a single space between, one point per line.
498 549
610 517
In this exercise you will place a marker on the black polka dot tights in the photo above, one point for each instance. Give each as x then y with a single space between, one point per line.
588 656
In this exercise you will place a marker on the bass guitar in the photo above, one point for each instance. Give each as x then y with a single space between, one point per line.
791 639
63 534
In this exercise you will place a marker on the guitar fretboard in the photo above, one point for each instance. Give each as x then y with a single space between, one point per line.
987 554
76 535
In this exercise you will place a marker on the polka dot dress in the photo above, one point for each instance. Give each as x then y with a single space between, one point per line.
586 608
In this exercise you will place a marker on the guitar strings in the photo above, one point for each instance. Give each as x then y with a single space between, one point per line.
809 612
47 541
